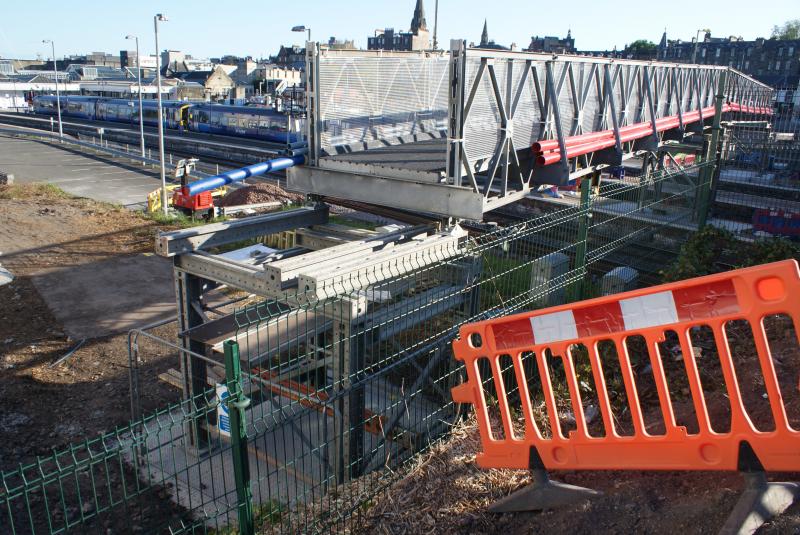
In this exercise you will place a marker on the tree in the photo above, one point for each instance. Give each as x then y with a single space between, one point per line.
789 30
642 48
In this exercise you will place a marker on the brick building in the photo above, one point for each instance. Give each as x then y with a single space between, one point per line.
417 38
773 61
554 45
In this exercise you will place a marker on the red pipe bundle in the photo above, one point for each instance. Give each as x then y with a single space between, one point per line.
548 151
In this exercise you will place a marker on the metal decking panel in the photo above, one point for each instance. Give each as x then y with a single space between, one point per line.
422 157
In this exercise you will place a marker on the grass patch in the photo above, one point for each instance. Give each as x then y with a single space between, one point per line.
264 515
353 223
504 279
36 190
179 220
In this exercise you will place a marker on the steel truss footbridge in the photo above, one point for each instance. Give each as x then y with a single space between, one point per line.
462 132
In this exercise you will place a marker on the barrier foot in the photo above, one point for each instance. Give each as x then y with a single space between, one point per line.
542 494
760 501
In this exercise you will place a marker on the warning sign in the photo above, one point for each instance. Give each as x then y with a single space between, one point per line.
223 415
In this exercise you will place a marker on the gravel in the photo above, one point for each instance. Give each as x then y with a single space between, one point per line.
260 193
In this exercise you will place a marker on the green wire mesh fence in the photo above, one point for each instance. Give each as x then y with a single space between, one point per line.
325 395
755 190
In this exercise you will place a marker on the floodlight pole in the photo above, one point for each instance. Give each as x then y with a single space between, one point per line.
164 204
139 79
58 94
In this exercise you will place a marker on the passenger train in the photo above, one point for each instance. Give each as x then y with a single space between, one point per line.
241 121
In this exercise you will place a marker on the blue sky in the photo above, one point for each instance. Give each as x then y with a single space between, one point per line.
204 28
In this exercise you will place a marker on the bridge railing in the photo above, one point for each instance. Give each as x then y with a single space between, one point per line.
505 102
363 99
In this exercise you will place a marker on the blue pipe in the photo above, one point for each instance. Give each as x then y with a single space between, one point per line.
237 175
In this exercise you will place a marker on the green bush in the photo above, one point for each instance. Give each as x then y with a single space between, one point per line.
714 250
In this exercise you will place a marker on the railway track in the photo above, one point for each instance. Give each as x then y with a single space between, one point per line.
223 150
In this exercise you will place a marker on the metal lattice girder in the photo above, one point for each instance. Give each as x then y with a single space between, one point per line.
461 126
519 98
348 274
284 273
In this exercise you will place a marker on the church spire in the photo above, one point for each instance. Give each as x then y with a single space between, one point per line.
485 34
663 43
418 22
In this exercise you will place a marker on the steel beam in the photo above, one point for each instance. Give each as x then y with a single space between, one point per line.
203 237
247 278
355 272
439 199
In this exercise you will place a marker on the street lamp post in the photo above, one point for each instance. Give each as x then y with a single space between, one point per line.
139 80
58 94
436 26
292 103
696 41
162 18
14 98
303 29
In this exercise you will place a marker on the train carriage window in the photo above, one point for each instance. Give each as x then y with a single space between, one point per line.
263 123
232 121
253 124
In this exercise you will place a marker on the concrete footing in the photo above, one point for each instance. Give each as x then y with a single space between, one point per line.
760 501
542 494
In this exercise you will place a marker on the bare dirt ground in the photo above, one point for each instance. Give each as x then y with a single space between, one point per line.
88 393
43 407
446 492
260 192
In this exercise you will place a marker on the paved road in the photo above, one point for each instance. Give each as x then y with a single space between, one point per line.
79 174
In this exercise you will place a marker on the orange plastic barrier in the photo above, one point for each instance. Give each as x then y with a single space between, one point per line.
747 294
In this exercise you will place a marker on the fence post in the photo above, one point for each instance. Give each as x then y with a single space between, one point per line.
241 461
576 290
708 172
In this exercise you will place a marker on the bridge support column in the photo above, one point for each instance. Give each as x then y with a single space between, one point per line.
577 289
189 291
707 174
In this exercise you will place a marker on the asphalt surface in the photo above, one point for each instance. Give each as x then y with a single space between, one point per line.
100 178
